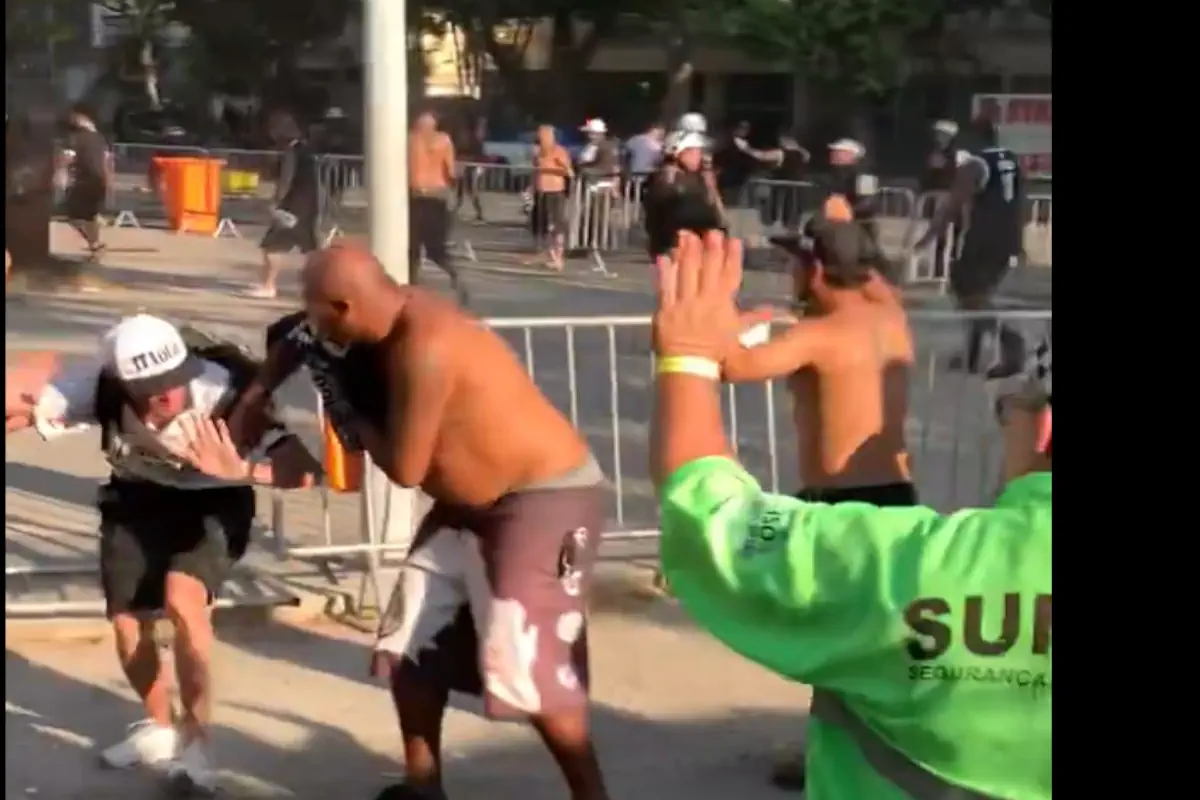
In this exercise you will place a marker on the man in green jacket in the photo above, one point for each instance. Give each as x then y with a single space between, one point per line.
926 637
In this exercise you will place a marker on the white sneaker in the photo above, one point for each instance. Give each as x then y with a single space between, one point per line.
147 743
192 772
259 293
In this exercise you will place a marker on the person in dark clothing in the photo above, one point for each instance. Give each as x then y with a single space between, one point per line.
294 216
681 195
793 168
736 163
88 162
987 194
600 170
469 149
938 176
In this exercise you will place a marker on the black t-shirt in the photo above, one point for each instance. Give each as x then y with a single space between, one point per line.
91 155
996 208
301 197
794 166
684 204
734 166
348 384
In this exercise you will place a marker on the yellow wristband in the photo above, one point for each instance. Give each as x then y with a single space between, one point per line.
689 365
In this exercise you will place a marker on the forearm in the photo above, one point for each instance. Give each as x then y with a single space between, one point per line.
281 363
375 444
687 423
942 217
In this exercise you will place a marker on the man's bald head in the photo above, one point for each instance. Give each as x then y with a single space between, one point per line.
348 294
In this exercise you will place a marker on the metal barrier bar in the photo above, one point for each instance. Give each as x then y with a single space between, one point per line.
603 216
951 436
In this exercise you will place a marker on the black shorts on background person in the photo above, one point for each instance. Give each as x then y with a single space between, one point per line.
549 213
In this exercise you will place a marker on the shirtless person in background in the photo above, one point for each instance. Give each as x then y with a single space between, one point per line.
430 177
532 495
552 172
847 364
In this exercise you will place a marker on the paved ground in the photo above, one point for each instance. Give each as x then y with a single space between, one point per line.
295 713
677 718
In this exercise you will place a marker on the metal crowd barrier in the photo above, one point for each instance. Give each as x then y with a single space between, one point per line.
601 217
599 372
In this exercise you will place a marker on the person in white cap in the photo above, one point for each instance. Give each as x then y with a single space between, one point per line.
169 532
600 168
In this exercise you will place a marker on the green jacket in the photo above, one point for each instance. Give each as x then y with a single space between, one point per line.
931 630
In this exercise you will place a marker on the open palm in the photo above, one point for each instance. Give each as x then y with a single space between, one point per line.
208 447
697 285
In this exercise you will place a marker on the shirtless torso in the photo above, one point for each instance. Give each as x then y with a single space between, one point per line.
552 167
850 404
480 455
430 162
850 393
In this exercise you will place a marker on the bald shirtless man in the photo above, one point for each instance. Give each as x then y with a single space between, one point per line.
847 364
431 178
525 502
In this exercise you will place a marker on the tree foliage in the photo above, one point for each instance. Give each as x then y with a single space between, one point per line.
34 25
240 38
854 45
503 31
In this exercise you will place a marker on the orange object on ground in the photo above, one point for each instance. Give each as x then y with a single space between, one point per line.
343 470
191 189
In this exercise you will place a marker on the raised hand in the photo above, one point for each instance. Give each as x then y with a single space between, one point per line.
208 446
696 287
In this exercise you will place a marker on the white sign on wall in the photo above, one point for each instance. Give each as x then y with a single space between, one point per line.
1024 123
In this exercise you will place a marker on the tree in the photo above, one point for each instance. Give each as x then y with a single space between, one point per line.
140 46
503 30
259 42
854 46
36 23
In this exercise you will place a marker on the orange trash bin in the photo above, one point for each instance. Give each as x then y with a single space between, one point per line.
343 470
191 190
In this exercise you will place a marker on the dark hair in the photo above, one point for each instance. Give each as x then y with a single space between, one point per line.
983 131
83 110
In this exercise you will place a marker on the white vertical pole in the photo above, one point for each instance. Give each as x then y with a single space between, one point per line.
385 69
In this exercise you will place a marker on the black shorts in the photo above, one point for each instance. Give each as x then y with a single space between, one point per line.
147 531
302 237
83 203
548 213
981 264
883 495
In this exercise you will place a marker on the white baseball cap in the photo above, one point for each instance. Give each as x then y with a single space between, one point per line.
679 141
946 126
595 125
148 355
849 146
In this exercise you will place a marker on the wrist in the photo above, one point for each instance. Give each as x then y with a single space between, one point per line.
697 366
